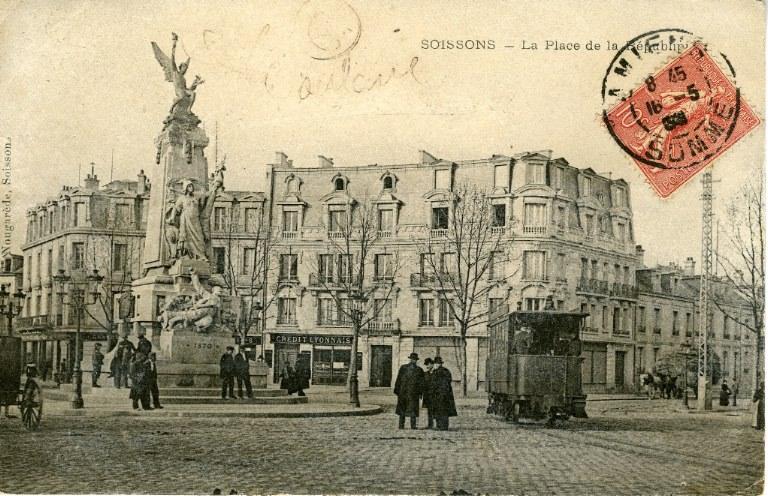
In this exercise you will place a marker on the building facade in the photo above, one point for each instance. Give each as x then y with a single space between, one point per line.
567 234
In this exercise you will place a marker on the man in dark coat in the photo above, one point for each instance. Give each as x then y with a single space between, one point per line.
140 370
123 355
427 393
144 345
154 390
98 361
243 375
302 375
408 387
227 373
443 404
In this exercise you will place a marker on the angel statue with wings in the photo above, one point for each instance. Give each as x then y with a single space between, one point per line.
185 97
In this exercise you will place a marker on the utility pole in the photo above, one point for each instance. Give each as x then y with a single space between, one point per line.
704 393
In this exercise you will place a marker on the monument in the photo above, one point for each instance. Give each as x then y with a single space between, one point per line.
176 305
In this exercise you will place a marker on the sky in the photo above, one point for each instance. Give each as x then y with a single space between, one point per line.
79 84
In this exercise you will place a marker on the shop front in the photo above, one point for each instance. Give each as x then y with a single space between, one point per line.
329 356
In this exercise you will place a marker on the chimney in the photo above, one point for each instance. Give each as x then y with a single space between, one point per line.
281 159
427 158
640 254
92 180
325 162
141 184
689 269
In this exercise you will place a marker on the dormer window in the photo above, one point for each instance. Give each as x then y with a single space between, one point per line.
292 185
339 184
443 179
501 176
388 182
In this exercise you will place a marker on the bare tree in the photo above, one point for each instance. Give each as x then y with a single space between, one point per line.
357 298
463 259
741 259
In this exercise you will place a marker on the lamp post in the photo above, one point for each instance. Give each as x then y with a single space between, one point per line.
82 292
11 305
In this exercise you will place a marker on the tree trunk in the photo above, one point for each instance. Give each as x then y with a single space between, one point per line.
464 364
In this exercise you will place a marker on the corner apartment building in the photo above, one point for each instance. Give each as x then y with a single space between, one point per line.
103 227
568 234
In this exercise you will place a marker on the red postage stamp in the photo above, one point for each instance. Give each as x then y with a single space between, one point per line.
680 119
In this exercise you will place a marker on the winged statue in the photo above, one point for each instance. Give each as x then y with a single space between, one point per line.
185 96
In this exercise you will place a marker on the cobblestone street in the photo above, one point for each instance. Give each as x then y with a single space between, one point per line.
626 447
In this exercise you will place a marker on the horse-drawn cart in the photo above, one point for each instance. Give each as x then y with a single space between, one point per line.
28 397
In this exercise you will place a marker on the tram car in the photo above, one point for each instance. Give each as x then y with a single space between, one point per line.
27 395
534 365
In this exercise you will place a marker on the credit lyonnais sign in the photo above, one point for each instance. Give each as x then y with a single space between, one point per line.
320 339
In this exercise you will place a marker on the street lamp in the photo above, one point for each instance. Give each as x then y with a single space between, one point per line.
357 317
82 292
11 305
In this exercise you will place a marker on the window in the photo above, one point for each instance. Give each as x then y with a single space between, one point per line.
388 183
616 319
249 261
327 268
535 215
443 179
534 265
641 359
339 184
605 224
726 368
622 232
326 311
251 219
290 220
39 266
657 320
727 324
219 218
122 215
448 263
499 215
119 257
640 319
80 214
286 310
440 218
620 198
589 228
588 319
338 220
386 220
584 269
292 185
593 312
345 268
383 266
688 325
561 217
426 312
675 323
289 267
501 176
382 309
627 276
560 267
494 304
595 274
557 181
605 319
536 174
587 183
49 265
219 259
78 255
497 269
655 356
445 318
534 304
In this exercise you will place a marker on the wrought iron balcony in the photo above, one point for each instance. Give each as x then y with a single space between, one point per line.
623 290
317 280
594 286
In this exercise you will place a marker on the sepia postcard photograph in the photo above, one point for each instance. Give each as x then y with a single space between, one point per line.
352 247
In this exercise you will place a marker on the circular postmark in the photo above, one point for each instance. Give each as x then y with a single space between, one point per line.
668 104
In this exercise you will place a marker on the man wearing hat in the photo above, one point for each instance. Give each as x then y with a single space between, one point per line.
409 386
441 401
227 373
97 360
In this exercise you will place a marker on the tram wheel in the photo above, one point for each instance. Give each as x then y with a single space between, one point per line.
31 406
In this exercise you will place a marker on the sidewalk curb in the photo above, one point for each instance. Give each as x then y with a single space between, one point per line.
364 410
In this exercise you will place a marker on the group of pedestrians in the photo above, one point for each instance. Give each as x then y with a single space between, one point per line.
235 367
431 389
133 367
295 379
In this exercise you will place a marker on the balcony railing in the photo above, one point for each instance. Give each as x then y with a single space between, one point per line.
322 280
290 234
534 229
623 290
594 286
336 234
438 233
498 230
337 322
385 234
420 280
620 332
384 326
